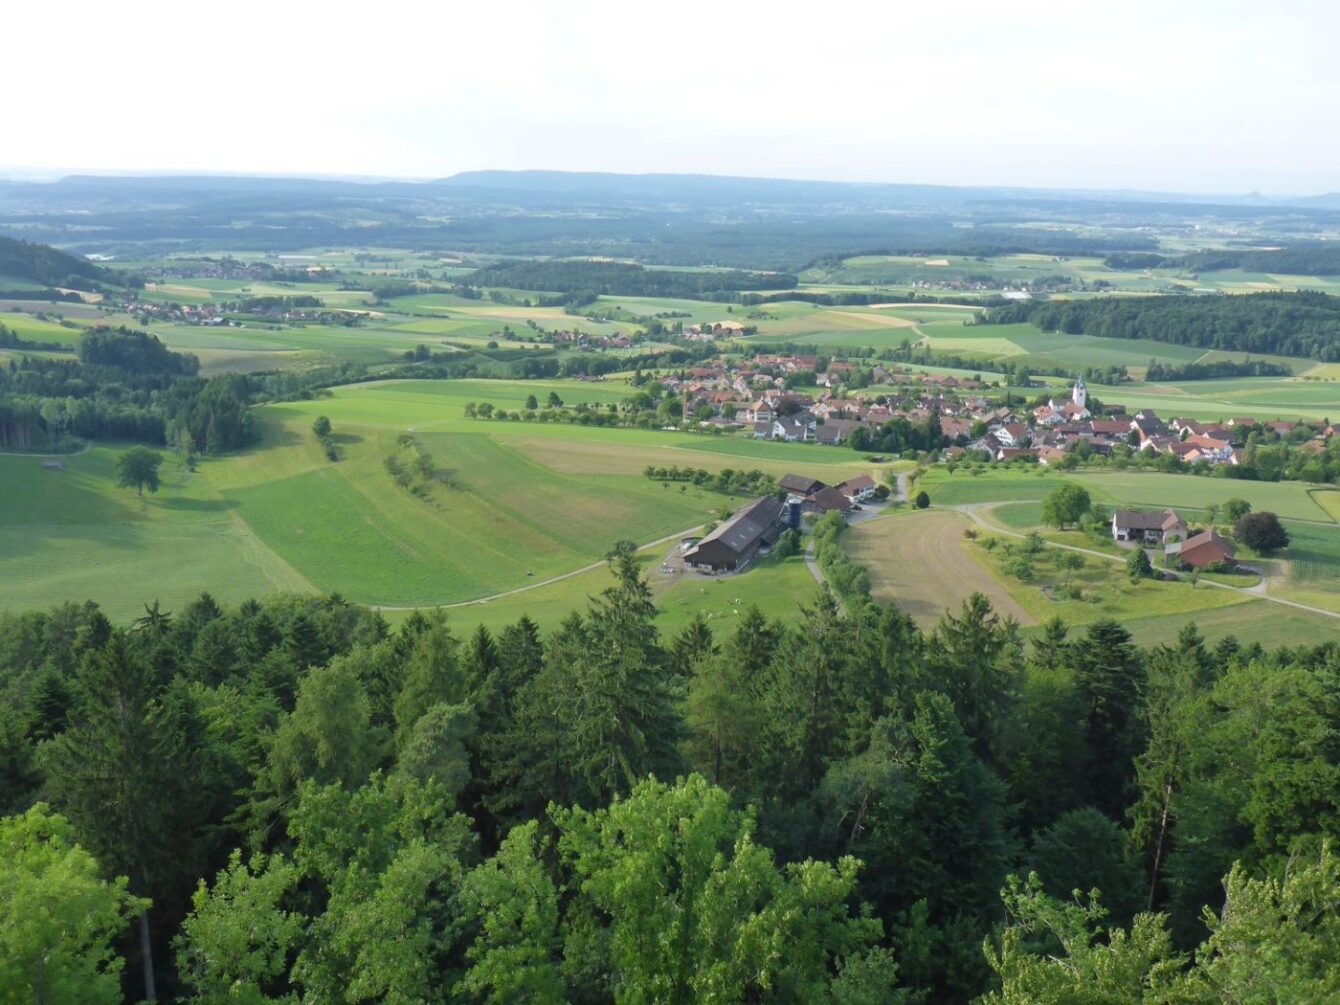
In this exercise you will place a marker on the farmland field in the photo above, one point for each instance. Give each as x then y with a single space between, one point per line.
916 561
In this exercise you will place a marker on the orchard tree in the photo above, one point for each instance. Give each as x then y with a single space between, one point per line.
1137 565
1261 532
137 469
1066 504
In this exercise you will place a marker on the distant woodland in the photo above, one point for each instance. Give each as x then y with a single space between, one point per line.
1289 324
39 263
625 279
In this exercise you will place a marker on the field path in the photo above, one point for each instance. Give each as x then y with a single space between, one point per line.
530 586
974 511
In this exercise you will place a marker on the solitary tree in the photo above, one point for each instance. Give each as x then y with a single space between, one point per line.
137 469
1236 509
922 500
1066 504
532 402
321 427
1261 532
1137 565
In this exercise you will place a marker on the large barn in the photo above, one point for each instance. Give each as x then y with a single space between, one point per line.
736 541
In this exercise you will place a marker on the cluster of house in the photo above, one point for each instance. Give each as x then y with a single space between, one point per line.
1166 529
1057 428
709 330
752 394
756 526
182 314
585 341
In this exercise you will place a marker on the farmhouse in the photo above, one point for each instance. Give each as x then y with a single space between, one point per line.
1152 528
858 489
828 499
734 543
800 486
1201 551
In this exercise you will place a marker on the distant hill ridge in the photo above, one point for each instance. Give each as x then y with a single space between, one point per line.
43 264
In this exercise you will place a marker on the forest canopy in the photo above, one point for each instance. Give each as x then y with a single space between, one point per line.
1288 324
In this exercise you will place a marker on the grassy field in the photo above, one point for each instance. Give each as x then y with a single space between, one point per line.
73 535
776 587
517 501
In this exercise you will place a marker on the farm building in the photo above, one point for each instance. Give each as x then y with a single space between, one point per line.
732 545
858 489
1152 528
1201 551
799 485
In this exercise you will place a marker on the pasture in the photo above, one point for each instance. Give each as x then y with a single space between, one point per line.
73 535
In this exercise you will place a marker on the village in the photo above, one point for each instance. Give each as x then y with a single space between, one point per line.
773 397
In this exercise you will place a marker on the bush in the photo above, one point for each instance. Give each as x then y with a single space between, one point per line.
922 500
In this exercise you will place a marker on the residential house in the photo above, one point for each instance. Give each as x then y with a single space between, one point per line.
859 489
837 431
1146 526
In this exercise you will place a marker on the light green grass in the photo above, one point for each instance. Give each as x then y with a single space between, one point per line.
73 535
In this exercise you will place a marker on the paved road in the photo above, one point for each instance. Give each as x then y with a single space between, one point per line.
975 512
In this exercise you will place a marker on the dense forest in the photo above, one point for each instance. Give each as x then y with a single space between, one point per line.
625 279
39 263
308 806
1308 259
1289 324
125 385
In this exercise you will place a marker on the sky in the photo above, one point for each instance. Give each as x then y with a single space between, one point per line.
1179 95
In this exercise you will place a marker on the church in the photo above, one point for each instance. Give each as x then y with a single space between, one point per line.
1074 410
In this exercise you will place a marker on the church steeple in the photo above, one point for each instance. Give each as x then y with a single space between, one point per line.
1079 394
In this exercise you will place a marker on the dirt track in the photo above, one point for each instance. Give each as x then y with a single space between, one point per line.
918 562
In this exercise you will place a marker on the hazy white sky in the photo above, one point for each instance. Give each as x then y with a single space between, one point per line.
1223 96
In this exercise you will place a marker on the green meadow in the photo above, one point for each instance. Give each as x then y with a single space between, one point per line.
514 504
72 534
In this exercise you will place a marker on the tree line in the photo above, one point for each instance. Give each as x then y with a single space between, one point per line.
1303 324
124 385
625 279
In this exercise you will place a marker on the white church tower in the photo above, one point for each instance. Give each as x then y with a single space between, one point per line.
1079 394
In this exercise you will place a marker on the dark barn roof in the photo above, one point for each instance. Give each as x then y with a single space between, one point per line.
800 485
750 525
